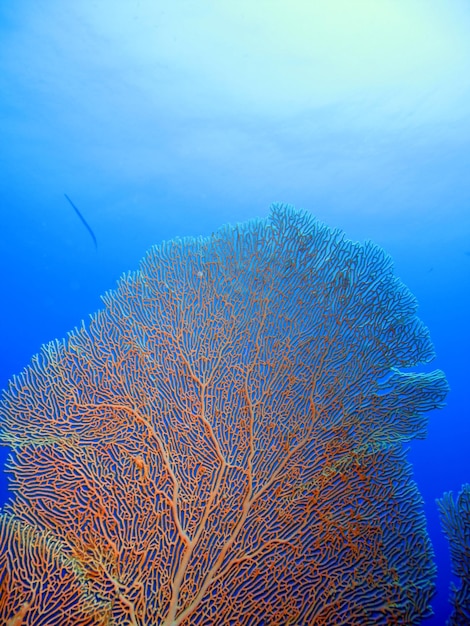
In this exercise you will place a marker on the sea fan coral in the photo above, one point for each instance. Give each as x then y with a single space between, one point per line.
223 443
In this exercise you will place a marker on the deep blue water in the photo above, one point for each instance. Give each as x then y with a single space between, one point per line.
156 129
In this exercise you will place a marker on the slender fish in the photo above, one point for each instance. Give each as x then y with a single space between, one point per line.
84 222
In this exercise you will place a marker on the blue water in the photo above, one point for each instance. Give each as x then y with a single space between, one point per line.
157 125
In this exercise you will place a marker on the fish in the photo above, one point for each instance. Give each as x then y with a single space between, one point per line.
84 222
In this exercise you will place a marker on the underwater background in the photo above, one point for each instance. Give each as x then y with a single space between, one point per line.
166 119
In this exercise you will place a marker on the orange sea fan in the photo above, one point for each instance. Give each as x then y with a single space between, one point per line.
223 443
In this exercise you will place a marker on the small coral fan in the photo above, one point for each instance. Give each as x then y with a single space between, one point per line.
455 520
